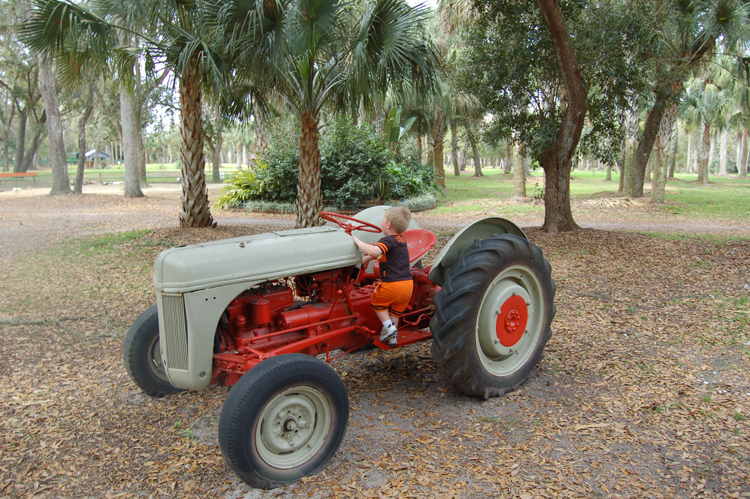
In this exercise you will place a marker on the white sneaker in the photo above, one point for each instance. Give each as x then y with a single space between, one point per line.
389 335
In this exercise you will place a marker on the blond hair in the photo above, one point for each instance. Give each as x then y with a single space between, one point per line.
399 216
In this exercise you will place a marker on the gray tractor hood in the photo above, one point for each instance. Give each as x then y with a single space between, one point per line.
257 258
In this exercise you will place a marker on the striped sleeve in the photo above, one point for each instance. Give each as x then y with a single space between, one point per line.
383 247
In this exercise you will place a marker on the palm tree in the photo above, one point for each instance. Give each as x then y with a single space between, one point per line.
706 104
172 30
687 31
312 53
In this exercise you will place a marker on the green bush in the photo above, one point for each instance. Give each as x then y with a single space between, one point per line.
356 168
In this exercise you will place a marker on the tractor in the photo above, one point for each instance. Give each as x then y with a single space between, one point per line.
260 313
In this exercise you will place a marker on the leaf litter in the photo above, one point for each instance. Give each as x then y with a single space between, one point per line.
644 390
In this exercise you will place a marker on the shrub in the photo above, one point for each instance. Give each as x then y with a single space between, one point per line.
356 168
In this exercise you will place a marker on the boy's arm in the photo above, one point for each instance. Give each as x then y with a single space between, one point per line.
368 249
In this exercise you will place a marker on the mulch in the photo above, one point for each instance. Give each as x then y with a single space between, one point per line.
644 390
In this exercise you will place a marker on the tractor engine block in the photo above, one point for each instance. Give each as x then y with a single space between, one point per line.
268 317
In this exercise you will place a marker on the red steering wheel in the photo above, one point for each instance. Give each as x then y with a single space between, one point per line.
348 228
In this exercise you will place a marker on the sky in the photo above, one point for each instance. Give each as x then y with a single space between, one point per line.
431 3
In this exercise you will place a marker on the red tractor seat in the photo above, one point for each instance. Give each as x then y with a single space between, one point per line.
419 241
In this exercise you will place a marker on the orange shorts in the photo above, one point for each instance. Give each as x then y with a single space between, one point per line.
392 296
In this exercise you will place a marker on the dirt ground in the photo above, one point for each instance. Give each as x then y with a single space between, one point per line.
644 390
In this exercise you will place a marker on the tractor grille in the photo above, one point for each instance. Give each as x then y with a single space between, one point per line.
175 332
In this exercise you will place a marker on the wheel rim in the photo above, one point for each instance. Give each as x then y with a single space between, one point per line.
510 320
154 360
293 427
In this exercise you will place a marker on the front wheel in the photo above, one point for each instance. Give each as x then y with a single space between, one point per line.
142 356
284 420
492 316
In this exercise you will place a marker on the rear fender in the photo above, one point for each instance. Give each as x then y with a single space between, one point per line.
480 229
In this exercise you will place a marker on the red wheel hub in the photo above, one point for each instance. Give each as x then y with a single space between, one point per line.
512 320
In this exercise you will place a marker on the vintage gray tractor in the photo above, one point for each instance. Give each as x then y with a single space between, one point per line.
258 311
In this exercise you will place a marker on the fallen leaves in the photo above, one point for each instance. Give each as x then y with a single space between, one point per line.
643 391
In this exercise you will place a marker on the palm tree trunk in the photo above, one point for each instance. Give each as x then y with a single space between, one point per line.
216 157
673 156
78 187
309 191
454 148
661 146
130 145
438 137
657 195
705 146
142 175
723 150
57 159
261 133
475 152
195 209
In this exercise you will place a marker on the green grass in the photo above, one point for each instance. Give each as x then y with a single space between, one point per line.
726 198
706 238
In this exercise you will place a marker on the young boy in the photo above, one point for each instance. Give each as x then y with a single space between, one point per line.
392 295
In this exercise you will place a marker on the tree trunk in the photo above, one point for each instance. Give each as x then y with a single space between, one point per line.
142 175
20 140
742 167
628 168
662 145
556 160
723 148
195 208
6 142
507 164
464 155
130 145
673 156
216 159
657 195
261 133
519 175
438 137
78 187
608 178
711 151
475 152
454 148
309 190
705 146
643 152
57 158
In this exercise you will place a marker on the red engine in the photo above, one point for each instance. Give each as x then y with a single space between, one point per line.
310 314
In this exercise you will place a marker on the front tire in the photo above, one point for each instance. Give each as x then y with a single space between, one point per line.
492 316
284 420
142 357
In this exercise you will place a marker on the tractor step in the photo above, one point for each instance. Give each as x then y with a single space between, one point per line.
405 337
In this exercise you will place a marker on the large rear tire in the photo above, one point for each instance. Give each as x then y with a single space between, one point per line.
284 420
492 316
142 356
